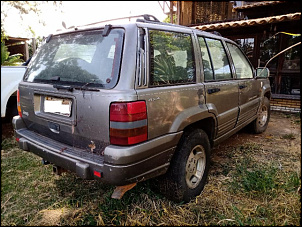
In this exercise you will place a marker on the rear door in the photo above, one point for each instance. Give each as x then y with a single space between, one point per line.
172 88
249 87
220 87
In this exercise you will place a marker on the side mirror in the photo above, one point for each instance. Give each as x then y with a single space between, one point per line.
262 72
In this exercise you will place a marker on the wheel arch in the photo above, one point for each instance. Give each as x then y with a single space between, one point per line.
207 125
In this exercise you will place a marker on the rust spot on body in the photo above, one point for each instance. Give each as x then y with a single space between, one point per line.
63 149
92 146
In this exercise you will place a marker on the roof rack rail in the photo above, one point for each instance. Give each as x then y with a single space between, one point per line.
146 17
163 23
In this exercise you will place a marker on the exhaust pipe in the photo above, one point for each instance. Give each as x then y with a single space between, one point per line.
58 170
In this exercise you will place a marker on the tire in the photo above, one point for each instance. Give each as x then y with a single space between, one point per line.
189 168
11 109
260 124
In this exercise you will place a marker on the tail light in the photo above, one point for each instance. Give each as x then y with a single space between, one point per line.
128 123
18 104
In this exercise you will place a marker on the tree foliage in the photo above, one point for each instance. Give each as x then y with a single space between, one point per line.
7 59
168 20
23 7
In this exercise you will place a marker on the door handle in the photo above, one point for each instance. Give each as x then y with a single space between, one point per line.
55 128
213 90
242 86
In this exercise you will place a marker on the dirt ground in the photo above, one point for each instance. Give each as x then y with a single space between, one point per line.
280 125
7 130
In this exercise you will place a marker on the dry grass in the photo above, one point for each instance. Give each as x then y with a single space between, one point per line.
254 180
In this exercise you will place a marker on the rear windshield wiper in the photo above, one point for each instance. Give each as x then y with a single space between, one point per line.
84 87
71 87
64 87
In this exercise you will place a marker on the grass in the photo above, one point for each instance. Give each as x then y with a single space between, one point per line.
289 136
249 184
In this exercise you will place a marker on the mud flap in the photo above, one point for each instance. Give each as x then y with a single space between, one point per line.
119 191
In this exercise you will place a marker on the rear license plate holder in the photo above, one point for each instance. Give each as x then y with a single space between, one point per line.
56 105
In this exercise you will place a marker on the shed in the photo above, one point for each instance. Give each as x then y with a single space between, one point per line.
16 45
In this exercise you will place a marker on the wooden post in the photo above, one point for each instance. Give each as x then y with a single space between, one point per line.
280 64
33 40
178 10
171 12
26 52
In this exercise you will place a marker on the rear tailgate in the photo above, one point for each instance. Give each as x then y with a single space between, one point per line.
67 90
77 118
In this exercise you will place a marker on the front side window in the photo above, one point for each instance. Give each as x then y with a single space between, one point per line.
242 66
79 58
222 70
171 58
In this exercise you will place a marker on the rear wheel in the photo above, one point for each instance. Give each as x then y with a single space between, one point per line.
188 171
259 125
11 110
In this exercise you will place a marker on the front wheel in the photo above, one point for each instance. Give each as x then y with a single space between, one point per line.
189 168
259 125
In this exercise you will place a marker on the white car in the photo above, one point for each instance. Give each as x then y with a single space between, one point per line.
10 78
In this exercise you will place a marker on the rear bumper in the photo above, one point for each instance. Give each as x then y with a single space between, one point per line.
118 166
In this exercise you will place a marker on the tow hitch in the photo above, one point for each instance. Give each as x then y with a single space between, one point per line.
119 191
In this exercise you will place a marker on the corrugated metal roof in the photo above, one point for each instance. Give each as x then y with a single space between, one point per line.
258 4
251 22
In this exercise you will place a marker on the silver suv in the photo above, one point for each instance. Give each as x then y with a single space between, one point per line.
128 102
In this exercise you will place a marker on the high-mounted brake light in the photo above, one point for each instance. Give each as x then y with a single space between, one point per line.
128 123
18 103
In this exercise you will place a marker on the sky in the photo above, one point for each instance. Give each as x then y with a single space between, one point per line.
78 13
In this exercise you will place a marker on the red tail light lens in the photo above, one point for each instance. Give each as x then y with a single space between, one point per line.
18 104
128 123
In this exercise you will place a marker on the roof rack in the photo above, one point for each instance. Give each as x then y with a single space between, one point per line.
148 20
147 17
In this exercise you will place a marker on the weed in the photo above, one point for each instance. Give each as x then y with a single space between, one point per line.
260 180
249 148
8 143
290 136
226 168
292 182
287 115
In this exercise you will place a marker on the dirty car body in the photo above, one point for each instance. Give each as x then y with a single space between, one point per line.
95 101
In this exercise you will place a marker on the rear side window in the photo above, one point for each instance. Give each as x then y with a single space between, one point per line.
171 58
242 66
221 66
206 61
79 58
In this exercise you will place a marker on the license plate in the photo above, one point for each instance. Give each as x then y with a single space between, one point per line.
60 106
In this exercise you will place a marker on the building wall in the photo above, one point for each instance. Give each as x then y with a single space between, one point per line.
286 105
196 12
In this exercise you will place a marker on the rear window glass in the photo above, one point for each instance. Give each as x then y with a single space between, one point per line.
81 58
171 58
